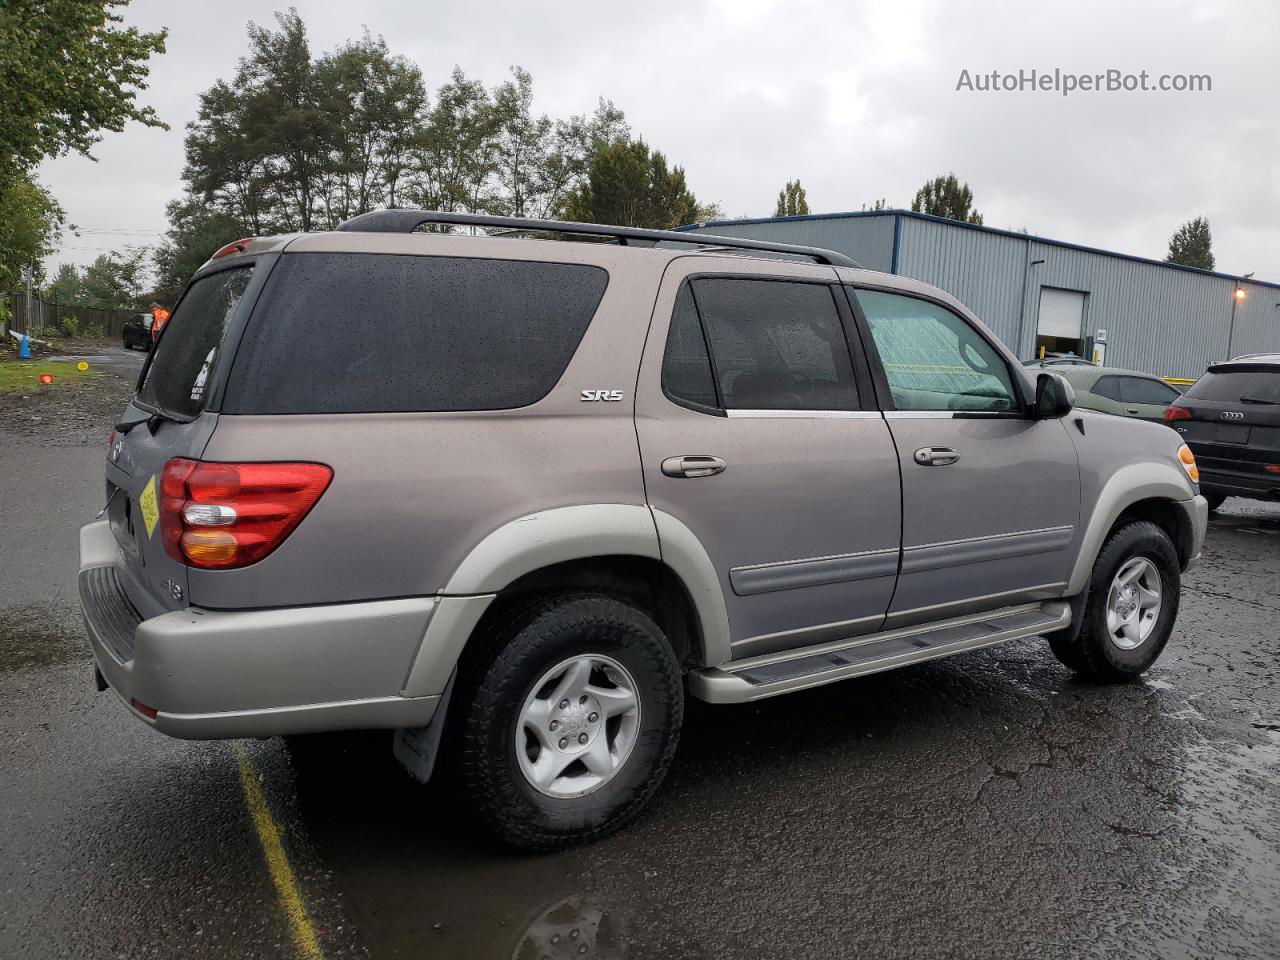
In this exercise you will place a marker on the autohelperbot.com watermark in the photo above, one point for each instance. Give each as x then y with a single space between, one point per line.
1065 82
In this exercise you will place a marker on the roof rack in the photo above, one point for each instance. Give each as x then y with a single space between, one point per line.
407 221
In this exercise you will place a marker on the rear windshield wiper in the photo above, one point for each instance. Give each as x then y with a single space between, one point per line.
1261 400
152 420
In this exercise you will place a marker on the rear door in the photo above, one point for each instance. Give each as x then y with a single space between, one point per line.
1146 398
758 431
990 497
166 419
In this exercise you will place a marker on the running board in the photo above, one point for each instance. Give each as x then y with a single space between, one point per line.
769 675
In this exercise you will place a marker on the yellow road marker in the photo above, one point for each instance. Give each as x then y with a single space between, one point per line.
282 875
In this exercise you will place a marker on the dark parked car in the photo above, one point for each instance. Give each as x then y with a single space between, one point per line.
137 332
1230 418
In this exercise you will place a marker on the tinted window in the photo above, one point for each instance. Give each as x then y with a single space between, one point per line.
1142 390
686 368
1231 386
934 359
190 348
1108 387
350 333
777 345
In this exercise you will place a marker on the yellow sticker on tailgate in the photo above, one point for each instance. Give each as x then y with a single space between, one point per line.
150 508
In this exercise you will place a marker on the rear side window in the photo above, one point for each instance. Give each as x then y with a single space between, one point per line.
1141 390
191 346
776 345
1231 386
365 333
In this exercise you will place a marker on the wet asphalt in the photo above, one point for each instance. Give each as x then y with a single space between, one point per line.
987 805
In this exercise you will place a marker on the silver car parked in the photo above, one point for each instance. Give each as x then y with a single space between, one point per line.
515 499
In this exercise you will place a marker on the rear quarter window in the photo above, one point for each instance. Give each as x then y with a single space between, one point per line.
190 348
364 333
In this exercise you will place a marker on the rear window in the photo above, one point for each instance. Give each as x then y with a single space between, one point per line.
365 333
190 347
1231 386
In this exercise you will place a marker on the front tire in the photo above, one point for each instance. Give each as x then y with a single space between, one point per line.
570 713
1130 608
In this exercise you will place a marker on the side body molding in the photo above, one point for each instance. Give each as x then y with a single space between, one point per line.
548 537
1125 487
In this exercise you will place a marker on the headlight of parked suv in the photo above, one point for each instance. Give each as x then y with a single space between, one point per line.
1188 461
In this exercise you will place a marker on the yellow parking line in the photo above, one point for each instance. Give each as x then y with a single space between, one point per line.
282 875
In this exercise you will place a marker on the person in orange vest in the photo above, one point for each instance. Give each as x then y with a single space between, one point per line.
159 317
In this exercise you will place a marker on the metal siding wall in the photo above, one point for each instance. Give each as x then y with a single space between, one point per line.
1257 322
869 240
981 270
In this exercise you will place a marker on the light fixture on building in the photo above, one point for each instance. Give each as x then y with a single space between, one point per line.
1241 293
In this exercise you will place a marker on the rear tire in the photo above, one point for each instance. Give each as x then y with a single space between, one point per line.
1130 608
1215 499
568 661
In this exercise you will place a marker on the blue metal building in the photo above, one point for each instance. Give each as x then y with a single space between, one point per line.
1038 293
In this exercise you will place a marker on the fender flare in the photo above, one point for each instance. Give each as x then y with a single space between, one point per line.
539 540
1124 488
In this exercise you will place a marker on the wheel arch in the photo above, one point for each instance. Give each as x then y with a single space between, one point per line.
645 557
1141 491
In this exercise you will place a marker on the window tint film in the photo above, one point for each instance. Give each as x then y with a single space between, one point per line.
686 368
1108 387
1231 386
363 333
933 359
777 345
1142 390
190 348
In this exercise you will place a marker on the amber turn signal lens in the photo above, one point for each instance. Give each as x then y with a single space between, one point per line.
209 546
1188 461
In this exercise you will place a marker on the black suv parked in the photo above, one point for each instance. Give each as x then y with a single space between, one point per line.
1231 420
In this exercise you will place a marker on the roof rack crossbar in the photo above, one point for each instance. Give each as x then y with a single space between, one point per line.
407 221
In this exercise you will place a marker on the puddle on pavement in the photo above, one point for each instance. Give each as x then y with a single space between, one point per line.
40 635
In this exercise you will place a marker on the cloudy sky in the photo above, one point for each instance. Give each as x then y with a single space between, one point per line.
858 100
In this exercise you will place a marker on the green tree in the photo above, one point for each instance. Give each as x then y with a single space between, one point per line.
66 286
1192 245
29 223
947 197
116 280
630 185
791 201
195 232
67 72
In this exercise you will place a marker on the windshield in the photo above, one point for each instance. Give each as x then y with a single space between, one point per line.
188 352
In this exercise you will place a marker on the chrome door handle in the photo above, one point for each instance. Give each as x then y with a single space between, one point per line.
936 456
692 466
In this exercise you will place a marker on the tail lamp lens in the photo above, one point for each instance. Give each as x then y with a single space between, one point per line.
1176 413
218 516
1188 461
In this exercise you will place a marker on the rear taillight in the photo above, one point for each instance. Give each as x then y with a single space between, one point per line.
1176 413
217 516
1272 468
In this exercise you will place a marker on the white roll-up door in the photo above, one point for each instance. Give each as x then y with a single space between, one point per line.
1061 313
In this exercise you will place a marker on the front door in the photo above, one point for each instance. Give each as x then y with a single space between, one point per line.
758 432
990 497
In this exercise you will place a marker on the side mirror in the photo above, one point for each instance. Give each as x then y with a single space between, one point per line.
1054 397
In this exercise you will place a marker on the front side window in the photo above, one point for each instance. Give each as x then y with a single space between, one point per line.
776 344
933 359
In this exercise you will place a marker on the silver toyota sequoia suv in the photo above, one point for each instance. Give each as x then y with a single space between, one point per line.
515 499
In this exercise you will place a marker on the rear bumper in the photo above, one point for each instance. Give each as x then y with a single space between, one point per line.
213 674
1241 483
